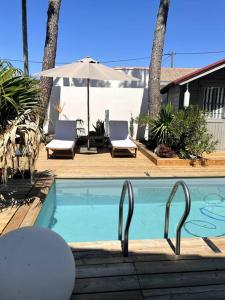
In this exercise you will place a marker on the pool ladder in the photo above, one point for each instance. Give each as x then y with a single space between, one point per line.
183 218
127 187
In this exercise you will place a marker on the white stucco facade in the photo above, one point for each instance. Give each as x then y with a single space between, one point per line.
122 99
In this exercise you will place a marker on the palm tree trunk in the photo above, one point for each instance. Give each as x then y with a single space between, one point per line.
25 43
154 97
49 54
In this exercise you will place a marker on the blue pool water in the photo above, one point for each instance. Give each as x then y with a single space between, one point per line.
87 210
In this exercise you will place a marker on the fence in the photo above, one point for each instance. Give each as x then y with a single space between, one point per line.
217 128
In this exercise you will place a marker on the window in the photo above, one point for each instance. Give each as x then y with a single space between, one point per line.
214 102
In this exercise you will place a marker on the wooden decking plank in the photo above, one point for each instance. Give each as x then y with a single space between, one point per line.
108 269
32 213
104 270
181 279
84 246
219 242
193 245
210 295
106 284
124 295
135 246
189 246
95 254
180 266
94 259
16 219
184 291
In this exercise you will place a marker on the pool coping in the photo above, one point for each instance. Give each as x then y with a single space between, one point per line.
26 214
137 177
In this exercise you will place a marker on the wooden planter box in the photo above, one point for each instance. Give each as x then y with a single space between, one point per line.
179 162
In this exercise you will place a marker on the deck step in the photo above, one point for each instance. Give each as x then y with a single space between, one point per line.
157 246
151 271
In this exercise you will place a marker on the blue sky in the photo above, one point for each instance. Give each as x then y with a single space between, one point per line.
116 30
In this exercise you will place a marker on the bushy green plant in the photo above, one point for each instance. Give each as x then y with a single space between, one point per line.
189 133
18 93
159 126
185 131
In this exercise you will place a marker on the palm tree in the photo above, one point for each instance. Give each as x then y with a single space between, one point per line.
154 97
49 53
25 43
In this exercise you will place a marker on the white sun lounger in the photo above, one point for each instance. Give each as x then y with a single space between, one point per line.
119 138
65 139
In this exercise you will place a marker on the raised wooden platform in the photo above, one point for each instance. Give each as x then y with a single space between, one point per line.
151 271
21 201
103 164
212 160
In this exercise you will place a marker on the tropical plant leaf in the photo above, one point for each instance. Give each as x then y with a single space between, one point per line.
18 93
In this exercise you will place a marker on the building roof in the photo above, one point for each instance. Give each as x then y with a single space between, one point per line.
167 74
198 73
171 74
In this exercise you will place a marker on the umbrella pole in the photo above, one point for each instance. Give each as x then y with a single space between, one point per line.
88 114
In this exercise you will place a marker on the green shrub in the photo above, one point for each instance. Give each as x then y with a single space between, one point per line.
189 133
185 131
159 126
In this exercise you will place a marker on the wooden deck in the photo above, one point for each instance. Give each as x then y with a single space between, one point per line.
152 271
21 201
104 165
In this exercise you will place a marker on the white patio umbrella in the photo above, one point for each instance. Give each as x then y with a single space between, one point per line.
87 68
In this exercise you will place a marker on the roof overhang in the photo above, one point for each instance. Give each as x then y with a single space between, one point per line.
195 75
203 74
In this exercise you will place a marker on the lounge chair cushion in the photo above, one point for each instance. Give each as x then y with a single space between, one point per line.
65 130
118 130
60 145
127 143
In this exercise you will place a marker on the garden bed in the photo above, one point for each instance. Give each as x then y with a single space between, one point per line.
209 160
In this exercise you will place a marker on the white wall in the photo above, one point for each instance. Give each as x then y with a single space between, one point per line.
120 102
121 99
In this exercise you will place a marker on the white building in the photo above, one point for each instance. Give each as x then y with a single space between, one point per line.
121 99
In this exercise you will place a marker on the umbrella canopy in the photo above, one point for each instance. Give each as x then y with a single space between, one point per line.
87 68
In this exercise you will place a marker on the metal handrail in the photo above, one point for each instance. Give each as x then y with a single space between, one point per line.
127 186
184 216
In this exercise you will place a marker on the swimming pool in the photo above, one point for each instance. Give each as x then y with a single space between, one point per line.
88 210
